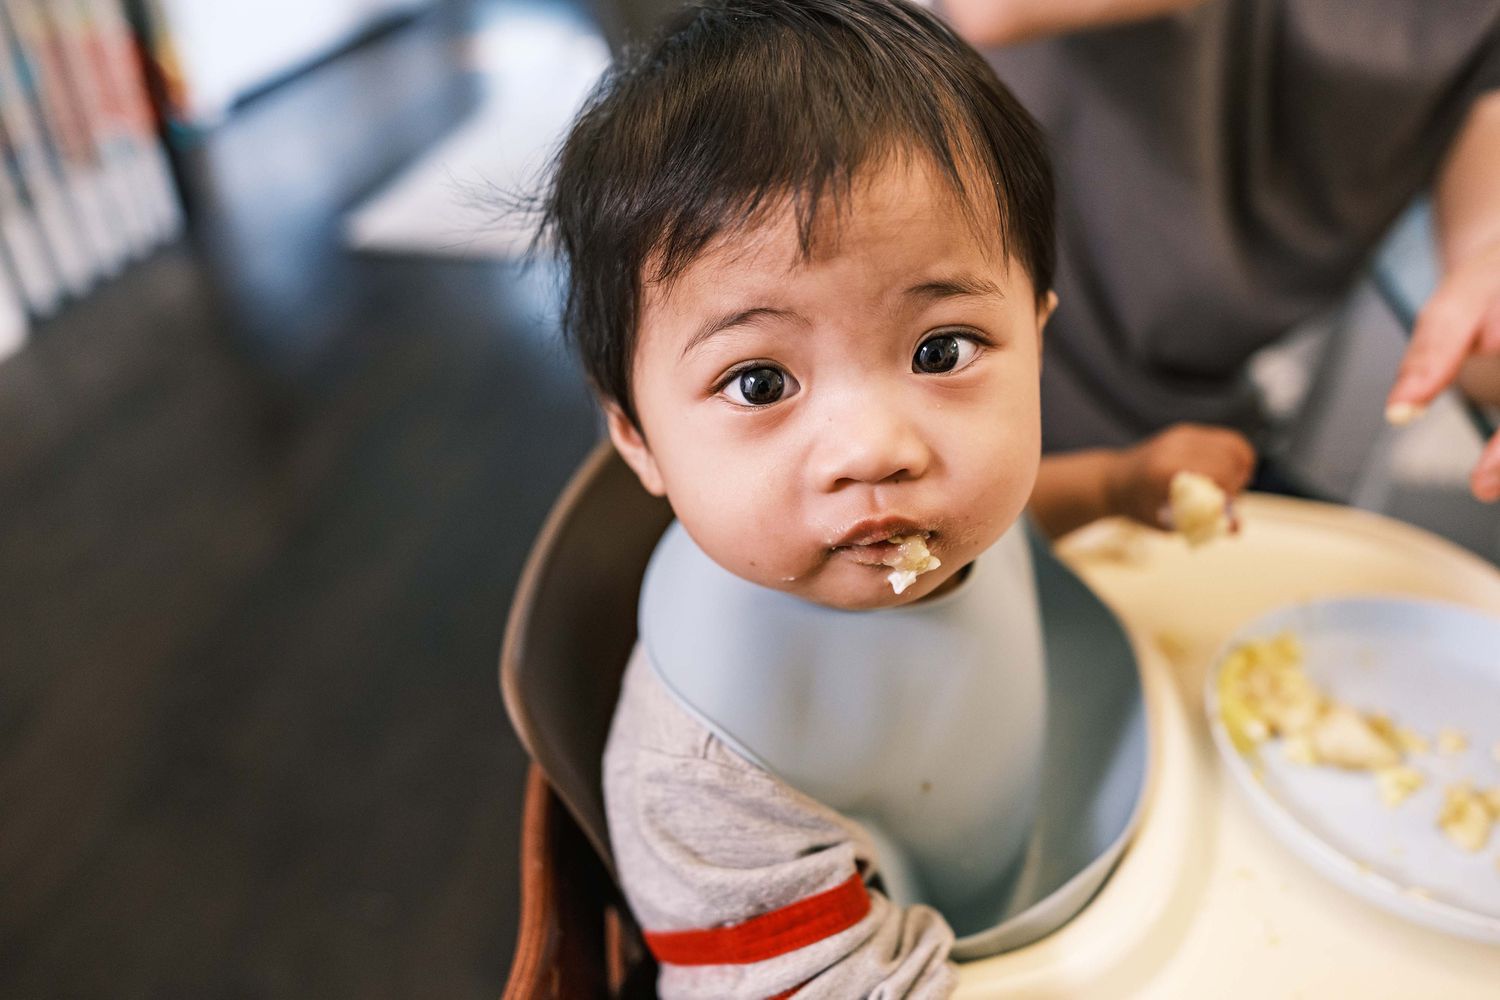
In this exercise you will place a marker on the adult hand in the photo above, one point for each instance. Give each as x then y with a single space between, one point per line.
1461 321
1140 486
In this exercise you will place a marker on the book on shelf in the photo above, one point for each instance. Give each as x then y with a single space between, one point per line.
37 168
84 184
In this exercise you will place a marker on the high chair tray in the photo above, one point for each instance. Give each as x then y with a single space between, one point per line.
1207 901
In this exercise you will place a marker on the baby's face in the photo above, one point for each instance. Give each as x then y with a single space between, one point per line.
799 414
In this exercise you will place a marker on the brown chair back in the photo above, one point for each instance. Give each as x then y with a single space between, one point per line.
572 626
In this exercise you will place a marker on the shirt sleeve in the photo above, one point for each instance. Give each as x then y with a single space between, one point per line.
745 888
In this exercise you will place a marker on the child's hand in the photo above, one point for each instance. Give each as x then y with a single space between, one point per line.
1141 477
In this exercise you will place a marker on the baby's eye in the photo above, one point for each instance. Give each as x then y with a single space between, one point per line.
945 352
759 386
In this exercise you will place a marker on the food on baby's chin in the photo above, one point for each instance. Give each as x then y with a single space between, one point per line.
1199 508
910 560
1466 817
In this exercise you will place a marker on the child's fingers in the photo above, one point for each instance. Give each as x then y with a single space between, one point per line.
1244 465
1230 461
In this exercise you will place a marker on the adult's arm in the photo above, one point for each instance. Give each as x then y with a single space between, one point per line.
1002 22
1460 324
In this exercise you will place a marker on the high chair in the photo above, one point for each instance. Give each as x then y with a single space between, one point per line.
571 628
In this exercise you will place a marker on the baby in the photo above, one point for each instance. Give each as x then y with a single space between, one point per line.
811 249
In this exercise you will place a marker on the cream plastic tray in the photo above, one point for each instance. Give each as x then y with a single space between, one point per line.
1206 901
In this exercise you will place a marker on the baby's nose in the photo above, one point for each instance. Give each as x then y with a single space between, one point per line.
870 440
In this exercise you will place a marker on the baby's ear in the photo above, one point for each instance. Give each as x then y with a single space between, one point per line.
632 447
1046 309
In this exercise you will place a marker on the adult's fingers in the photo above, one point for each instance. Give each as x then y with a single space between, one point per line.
1489 338
1447 331
1485 480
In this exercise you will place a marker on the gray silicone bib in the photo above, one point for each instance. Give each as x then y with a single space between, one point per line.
935 725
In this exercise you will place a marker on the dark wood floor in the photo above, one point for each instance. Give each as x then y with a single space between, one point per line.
262 506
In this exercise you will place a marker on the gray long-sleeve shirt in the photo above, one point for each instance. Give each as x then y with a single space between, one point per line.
705 841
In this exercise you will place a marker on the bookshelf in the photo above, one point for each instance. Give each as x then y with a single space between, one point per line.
85 187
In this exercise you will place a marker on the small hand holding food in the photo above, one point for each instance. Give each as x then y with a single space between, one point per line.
1184 479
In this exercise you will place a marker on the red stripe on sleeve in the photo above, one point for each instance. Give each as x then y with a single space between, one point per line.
762 937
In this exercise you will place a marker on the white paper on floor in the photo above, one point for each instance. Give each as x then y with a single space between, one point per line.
539 67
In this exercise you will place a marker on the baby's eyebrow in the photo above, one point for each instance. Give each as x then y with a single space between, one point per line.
952 287
738 318
932 291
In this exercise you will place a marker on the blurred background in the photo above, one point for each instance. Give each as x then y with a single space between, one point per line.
280 414
267 480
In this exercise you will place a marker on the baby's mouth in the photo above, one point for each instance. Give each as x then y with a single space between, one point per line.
882 553
905 554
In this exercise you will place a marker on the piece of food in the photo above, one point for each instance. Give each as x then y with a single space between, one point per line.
1200 511
1411 741
1264 693
1451 741
1465 817
1344 738
910 560
1397 783
1299 749
1401 414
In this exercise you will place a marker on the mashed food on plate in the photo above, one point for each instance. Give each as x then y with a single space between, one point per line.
1466 817
1397 783
1451 741
1264 693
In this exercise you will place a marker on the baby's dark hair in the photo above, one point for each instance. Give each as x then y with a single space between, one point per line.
744 105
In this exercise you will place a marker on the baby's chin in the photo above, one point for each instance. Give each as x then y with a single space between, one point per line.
850 587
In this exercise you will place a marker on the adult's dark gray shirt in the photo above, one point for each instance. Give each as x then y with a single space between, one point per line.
1225 173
